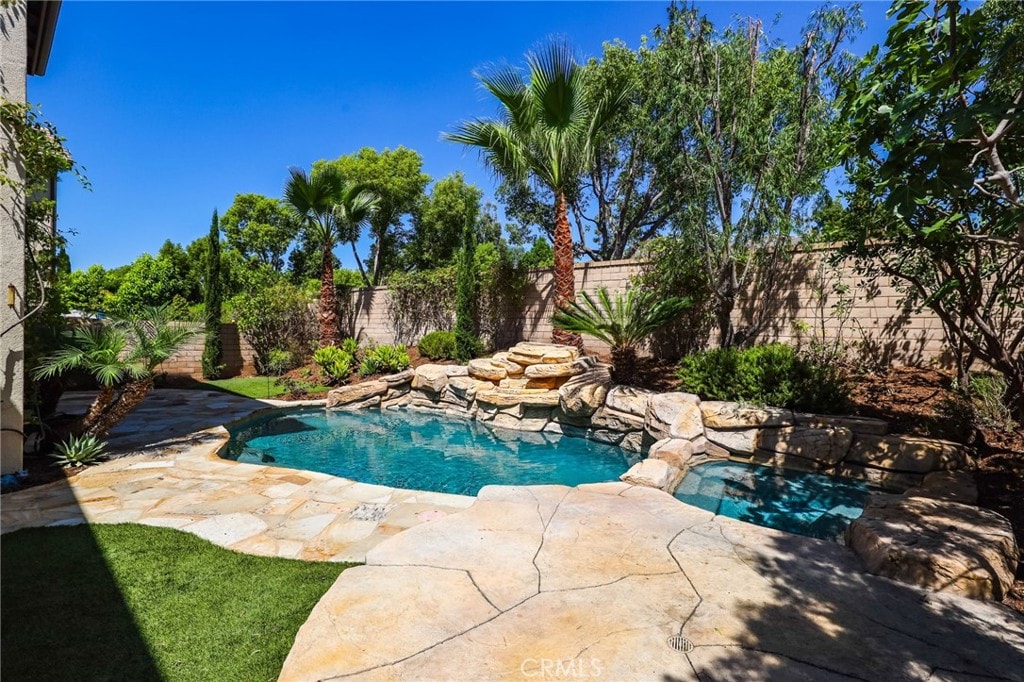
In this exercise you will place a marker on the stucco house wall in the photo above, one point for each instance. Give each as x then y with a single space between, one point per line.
26 33
13 50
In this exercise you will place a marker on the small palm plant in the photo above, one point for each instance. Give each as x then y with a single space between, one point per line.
122 357
623 322
79 451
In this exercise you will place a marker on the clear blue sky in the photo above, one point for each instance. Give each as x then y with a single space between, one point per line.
173 108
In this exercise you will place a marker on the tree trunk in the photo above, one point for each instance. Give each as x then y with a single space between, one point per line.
565 277
99 407
131 395
330 335
625 368
723 316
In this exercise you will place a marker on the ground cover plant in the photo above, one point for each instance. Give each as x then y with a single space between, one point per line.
134 602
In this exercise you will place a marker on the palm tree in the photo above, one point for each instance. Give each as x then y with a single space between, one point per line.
547 131
332 210
121 356
623 323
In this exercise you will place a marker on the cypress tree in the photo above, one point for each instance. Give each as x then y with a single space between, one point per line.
467 345
212 298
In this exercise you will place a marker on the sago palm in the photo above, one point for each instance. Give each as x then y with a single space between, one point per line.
122 357
547 130
623 322
331 210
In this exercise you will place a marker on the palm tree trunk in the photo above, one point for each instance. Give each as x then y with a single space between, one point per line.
565 277
328 317
133 393
99 406
625 368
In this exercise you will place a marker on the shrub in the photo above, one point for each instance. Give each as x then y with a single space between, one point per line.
279 361
384 360
438 345
771 374
79 451
277 316
335 362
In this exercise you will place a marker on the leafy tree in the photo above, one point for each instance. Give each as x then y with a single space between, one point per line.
331 209
548 131
122 357
85 290
621 201
439 221
150 282
212 299
745 132
181 265
467 344
623 322
936 156
396 178
260 228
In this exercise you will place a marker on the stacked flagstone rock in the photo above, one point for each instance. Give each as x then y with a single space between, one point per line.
546 387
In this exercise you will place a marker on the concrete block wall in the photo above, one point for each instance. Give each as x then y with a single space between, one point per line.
237 355
800 309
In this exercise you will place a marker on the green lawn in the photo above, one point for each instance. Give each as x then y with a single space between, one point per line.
132 602
254 387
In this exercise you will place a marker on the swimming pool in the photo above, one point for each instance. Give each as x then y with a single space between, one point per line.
804 503
418 451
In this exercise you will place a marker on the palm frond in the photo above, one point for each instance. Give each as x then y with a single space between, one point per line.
624 320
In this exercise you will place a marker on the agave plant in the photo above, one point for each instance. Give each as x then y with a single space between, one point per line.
623 322
79 451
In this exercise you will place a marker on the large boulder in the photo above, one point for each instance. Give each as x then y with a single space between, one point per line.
514 369
674 415
939 545
582 394
726 415
907 453
866 425
528 353
826 446
557 370
430 378
676 451
399 378
505 397
740 442
955 486
628 399
654 473
607 418
482 368
355 393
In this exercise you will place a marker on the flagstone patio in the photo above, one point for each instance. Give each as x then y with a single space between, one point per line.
598 582
605 581
167 473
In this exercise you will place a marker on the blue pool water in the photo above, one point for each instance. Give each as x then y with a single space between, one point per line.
799 502
420 451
